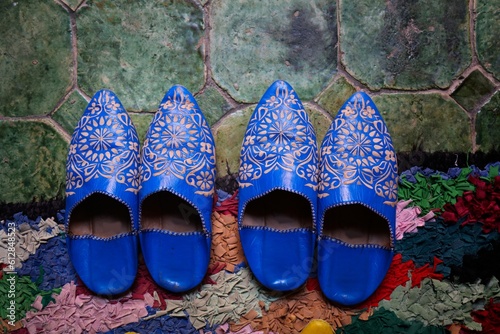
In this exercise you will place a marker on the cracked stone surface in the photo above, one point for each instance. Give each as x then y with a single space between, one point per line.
255 43
212 104
32 166
415 60
427 123
335 96
141 122
35 57
140 49
487 125
487 28
70 112
228 138
474 91
73 4
405 44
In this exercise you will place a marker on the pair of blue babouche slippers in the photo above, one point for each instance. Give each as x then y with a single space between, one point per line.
299 209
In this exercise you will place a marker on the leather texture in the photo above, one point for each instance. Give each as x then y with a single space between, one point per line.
178 158
279 153
357 166
103 159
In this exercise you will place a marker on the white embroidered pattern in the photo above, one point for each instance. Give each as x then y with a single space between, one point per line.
360 151
279 137
180 143
104 145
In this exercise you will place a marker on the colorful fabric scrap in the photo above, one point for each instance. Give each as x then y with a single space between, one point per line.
80 313
433 192
50 262
447 242
26 292
479 266
441 303
481 205
233 296
292 313
385 321
28 237
400 273
408 218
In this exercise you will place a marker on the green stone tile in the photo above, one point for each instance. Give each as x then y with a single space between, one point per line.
70 112
141 122
139 49
35 56
320 122
32 162
228 138
253 43
213 104
405 44
230 132
488 125
487 28
426 122
474 91
335 96
73 4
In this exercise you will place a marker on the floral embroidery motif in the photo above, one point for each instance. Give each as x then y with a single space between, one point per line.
279 136
104 145
179 143
360 152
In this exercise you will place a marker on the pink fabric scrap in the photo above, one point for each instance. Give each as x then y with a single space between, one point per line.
77 314
224 329
408 219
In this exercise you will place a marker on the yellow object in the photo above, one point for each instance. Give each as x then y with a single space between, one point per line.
318 326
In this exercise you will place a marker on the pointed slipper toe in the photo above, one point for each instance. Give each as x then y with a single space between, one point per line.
278 180
176 196
101 196
357 196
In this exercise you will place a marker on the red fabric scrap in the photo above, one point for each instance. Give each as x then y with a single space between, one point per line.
213 269
481 205
312 284
229 206
398 274
143 284
489 318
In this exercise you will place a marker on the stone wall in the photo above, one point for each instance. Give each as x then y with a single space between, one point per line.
431 66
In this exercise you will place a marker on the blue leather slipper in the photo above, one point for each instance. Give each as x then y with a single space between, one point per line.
175 200
357 196
278 181
102 181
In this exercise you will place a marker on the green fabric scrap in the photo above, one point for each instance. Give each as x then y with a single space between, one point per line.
445 302
23 292
386 321
449 243
434 192
233 296
493 172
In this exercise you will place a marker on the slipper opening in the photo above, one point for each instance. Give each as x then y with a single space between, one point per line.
166 211
357 225
279 210
100 215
